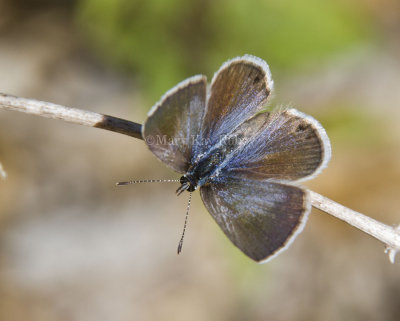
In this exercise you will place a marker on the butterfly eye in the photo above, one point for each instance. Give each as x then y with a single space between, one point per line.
183 179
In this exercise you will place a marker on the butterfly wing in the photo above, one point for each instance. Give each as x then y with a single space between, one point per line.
260 217
285 145
174 123
239 89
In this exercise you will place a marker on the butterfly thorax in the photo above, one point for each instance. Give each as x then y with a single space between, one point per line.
208 165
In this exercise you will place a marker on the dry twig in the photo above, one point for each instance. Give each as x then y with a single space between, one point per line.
71 115
389 235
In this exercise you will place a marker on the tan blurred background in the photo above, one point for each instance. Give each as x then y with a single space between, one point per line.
75 247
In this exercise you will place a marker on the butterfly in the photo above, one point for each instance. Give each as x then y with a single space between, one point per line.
247 162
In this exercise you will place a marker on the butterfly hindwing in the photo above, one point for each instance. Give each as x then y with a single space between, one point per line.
284 145
260 217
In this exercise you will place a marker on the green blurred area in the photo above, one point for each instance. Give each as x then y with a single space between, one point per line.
163 42
352 128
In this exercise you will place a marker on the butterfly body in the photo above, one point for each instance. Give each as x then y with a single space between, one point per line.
246 162
210 164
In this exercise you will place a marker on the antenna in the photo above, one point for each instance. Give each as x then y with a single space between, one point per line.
184 225
149 181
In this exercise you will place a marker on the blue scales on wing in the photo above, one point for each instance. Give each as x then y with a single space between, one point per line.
283 145
239 89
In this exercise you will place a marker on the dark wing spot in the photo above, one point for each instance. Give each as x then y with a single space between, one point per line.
302 127
256 80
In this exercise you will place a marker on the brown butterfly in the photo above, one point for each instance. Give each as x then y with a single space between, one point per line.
247 162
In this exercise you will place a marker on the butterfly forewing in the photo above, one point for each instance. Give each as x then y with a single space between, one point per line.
238 90
174 123
261 218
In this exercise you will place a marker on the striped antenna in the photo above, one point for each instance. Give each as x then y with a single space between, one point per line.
184 225
148 181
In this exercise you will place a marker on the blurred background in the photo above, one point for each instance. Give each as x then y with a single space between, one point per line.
75 247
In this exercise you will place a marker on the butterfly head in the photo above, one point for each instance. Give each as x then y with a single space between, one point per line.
187 184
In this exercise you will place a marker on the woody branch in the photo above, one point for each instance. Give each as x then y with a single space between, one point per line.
388 235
